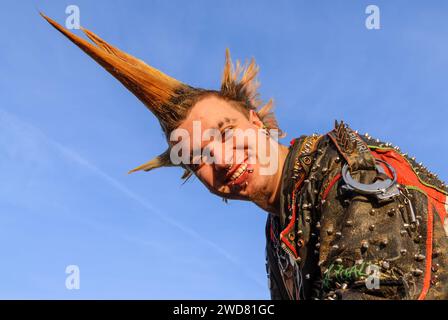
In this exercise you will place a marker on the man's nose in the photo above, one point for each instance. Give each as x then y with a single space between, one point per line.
224 159
223 163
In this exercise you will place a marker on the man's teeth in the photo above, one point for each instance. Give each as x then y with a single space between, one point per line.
239 172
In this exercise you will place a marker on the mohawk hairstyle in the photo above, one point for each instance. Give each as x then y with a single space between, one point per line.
241 84
167 98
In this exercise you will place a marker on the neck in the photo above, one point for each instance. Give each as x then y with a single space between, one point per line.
271 203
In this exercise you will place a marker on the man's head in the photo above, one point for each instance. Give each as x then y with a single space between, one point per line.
227 147
234 109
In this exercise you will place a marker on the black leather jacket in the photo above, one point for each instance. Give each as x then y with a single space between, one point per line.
332 241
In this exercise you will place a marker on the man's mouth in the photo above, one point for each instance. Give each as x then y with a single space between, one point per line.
238 174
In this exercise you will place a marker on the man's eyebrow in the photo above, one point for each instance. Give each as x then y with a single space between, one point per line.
220 125
226 120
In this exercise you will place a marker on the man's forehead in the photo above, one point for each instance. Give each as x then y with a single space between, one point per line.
214 123
212 110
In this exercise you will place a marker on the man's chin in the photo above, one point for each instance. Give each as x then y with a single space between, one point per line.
237 197
234 196
236 193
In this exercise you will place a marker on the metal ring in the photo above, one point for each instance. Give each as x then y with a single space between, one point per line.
377 187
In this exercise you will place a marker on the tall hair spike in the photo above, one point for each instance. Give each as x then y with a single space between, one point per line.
167 98
154 88
162 160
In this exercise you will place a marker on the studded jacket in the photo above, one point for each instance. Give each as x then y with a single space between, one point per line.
359 220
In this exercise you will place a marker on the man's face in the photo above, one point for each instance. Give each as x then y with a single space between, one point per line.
235 171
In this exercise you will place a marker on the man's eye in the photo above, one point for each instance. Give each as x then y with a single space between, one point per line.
227 133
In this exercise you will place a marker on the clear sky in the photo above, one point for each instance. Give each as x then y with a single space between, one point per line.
69 132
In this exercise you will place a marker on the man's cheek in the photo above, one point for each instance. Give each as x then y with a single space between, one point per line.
209 186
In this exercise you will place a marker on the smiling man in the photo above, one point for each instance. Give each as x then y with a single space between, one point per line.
236 156
349 217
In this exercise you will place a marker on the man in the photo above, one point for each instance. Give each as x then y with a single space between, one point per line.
349 217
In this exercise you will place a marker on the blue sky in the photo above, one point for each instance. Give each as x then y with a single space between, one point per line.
69 133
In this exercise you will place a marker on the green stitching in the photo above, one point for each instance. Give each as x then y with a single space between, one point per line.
340 274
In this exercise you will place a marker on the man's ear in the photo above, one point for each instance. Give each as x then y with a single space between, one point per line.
254 119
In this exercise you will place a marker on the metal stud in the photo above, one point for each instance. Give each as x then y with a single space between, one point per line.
372 212
335 247
418 239
435 267
417 272
349 223
436 253
372 227
419 257
330 232
364 245
385 265
403 252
